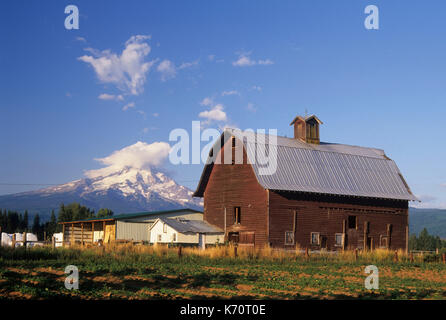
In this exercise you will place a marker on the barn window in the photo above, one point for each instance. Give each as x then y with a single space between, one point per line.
164 228
237 213
174 237
315 238
289 237
338 239
159 238
352 222
233 142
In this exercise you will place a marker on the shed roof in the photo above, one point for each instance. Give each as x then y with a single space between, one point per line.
184 226
135 215
327 168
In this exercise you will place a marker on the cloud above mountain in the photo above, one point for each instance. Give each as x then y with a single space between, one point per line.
140 155
245 60
214 114
128 70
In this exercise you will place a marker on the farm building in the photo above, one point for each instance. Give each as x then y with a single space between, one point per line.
182 231
318 195
131 227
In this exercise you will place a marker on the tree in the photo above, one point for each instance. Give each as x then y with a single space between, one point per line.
12 222
104 213
425 242
74 211
25 221
51 226
36 225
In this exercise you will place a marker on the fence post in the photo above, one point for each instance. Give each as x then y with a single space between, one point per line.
411 257
180 253
13 240
396 256
307 253
444 258
356 254
235 252
53 242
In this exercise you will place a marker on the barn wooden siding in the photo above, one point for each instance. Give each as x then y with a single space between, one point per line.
233 186
326 215
267 214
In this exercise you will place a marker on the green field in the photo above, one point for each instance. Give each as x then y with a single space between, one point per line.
145 273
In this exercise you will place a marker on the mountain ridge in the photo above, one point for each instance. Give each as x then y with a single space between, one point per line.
124 191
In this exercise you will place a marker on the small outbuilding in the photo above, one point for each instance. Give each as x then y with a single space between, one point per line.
183 231
123 227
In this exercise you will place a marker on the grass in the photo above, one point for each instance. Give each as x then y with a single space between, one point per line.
157 272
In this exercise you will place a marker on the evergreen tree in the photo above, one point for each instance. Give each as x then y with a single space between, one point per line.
51 226
36 225
104 213
25 221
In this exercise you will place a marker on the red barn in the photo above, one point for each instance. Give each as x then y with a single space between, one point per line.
300 191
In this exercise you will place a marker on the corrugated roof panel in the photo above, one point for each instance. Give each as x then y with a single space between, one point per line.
325 168
194 226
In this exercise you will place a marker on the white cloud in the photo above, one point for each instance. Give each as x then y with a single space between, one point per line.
128 70
207 102
139 155
215 114
230 93
245 60
265 62
256 88
167 70
185 65
156 114
128 106
81 39
106 96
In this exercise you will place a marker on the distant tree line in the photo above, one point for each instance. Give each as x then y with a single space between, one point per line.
16 222
426 242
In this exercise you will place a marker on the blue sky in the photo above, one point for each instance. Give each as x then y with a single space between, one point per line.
381 88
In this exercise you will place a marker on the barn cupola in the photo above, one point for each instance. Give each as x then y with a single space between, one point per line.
306 129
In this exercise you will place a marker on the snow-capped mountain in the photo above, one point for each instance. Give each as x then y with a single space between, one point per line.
124 191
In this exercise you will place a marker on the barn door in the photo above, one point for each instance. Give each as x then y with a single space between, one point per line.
352 232
247 238
233 237
110 234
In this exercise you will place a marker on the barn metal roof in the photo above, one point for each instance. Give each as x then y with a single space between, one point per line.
123 216
327 168
185 226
